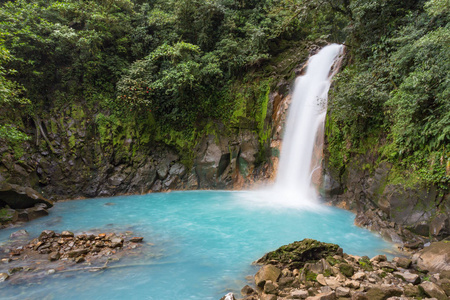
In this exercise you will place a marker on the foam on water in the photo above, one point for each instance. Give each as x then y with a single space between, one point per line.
204 243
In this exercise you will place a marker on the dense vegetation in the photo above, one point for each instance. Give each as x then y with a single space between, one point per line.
175 65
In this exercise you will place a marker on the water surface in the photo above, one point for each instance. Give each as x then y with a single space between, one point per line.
204 243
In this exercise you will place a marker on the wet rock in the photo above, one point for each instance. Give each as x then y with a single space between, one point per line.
433 290
54 256
15 270
267 272
136 239
116 242
46 234
80 259
8 215
22 233
3 276
6 260
76 253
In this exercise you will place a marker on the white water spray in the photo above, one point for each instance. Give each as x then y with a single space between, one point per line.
306 116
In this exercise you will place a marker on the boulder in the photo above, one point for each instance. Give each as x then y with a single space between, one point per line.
408 277
297 254
8 215
18 197
20 234
3 276
435 258
32 213
247 291
382 292
229 296
299 294
67 234
432 290
445 285
324 296
267 272
270 287
342 292
402 262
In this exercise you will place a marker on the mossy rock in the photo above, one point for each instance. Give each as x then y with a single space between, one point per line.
347 270
365 264
295 255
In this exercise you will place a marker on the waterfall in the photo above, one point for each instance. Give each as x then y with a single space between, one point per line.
305 119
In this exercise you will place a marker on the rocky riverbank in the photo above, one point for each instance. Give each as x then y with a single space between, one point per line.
313 270
53 252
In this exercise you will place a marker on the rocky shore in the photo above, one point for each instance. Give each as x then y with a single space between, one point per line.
53 252
313 270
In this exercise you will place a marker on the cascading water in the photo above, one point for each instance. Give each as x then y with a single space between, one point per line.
306 116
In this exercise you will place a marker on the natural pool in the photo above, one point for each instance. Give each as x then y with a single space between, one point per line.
204 243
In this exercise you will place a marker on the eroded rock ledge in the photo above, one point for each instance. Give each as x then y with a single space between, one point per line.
313 270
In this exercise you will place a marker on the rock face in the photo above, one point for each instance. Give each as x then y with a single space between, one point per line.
18 197
320 276
393 210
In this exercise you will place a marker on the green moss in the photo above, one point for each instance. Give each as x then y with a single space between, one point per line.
310 276
346 269
365 264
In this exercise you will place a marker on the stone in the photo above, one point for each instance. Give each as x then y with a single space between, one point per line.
359 296
270 287
342 292
433 290
402 262
299 294
353 284
359 276
284 282
15 270
332 282
445 285
67 234
434 258
346 269
20 234
80 259
325 289
3 276
268 296
387 266
323 296
321 279
267 272
136 239
379 258
411 291
383 292
177 169
51 271
229 296
408 277
116 242
6 260
77 252
53 256
247 291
